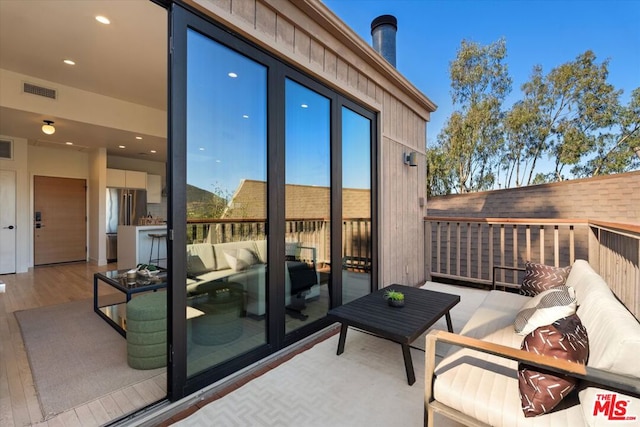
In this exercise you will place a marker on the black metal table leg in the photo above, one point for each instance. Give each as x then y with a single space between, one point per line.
343 338
408 363
449 324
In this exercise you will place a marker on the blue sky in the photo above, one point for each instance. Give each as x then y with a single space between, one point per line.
548 33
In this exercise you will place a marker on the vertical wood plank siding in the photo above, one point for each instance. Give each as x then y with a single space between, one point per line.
306 34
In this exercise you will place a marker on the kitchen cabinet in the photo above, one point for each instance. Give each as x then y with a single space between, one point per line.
120 178
154 188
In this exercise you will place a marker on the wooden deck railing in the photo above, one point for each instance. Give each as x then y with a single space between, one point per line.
467 249
356 235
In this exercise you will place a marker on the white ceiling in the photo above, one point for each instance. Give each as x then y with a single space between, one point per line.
126 60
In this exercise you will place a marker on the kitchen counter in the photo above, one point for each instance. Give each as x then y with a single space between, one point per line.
134 245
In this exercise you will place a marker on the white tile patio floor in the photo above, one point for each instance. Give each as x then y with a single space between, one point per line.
314 387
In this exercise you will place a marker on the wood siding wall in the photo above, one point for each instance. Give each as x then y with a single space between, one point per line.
309 36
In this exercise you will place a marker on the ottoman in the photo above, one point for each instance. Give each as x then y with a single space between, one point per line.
147 331
222 320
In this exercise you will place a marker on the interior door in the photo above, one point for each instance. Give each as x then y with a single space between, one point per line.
7 222
60 229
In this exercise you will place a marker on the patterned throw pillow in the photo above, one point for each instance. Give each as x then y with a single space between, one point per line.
545 308
540 277
540 390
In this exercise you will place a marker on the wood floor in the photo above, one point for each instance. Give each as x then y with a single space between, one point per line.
43 286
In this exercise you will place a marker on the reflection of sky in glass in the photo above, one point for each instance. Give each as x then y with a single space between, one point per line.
308 136
227 125
226 117
356 150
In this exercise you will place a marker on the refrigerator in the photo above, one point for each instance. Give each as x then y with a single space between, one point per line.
124 207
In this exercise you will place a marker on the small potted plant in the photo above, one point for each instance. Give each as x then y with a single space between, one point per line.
394 298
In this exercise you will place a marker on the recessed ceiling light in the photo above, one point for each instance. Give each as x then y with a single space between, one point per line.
69 62
245 116
153 151
201 148
232 75
304 105
103 20
69 143
121 146
138 137
218 161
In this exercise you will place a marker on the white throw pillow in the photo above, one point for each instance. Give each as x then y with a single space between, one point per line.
545 308
241 259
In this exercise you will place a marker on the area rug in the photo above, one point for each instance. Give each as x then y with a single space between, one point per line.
75 356
364 386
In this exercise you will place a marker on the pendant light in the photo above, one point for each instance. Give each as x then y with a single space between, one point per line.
48 127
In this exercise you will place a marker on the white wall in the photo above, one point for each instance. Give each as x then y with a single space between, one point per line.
23 221
63 163
72 104
97 206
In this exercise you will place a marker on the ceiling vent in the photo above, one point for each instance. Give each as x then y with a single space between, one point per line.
39 90
6 149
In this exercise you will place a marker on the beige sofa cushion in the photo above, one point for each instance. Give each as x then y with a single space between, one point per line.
219 250
485 387
261 249
614 333
241 259
200 258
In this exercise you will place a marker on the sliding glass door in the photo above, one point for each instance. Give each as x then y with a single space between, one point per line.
271 203
307 205
226 194
356 205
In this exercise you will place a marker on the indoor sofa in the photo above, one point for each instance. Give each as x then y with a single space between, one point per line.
481 381
245 263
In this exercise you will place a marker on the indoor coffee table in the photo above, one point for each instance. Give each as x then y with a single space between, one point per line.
112 307
372 313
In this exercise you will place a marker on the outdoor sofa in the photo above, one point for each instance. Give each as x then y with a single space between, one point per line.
244 263
478 383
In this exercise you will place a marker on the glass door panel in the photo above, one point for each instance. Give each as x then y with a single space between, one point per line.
307 205
356 205
226 203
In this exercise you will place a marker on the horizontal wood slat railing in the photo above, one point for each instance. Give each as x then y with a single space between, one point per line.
468 249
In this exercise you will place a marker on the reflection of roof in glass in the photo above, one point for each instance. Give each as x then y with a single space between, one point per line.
303 201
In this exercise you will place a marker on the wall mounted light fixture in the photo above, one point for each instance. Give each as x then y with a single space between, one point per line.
48 127
411 158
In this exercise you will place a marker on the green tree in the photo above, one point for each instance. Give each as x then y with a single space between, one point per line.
473 134
440 178
567 115
616 148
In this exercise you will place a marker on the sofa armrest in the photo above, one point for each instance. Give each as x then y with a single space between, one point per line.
608 380
313 253
504 267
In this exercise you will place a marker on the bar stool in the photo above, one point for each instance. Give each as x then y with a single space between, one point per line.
158 238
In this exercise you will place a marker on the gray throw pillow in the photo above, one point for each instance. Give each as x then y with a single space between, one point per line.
545 308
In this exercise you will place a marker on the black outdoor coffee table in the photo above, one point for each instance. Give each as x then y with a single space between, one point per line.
403 325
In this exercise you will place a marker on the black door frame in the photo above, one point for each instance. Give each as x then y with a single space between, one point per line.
181 19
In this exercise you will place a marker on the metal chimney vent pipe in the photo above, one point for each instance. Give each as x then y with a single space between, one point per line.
383 31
